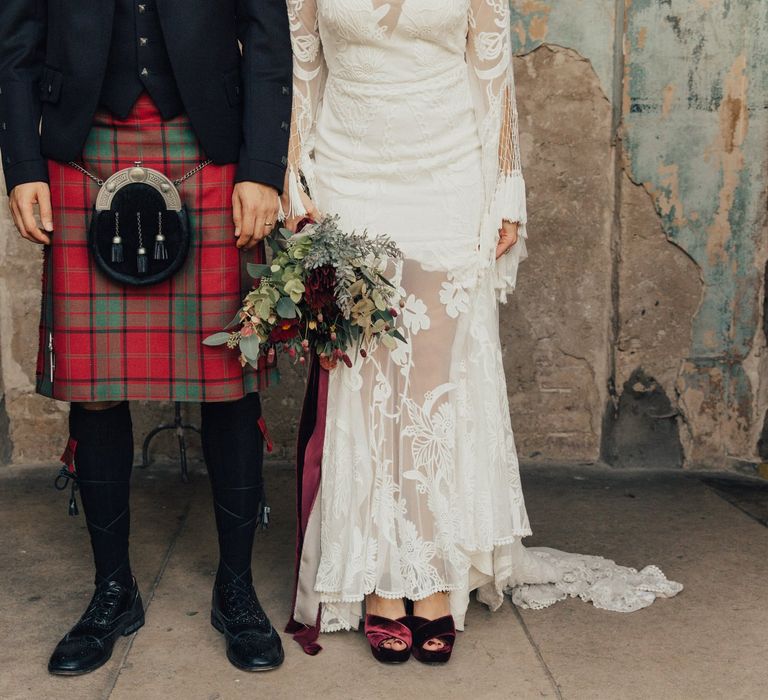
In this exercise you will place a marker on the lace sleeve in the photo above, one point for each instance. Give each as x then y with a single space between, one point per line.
489 57
309 72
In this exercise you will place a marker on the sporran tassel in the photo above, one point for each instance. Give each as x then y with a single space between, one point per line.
161 251
117 242
142 261
142 264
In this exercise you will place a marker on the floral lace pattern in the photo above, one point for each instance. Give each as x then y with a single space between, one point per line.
405 123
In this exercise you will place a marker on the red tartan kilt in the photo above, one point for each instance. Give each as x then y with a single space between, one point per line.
101 341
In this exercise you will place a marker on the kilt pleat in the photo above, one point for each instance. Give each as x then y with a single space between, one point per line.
102 341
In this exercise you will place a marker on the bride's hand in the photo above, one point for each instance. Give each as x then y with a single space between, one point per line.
313 212
508 236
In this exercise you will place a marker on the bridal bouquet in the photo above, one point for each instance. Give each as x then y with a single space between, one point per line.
324 291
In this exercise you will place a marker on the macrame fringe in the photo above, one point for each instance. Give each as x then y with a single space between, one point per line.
509 201
297 208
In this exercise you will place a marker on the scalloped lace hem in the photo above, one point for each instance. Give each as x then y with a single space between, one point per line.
534 578
332 596
389 595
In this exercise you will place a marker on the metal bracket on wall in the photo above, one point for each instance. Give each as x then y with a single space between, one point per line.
179 426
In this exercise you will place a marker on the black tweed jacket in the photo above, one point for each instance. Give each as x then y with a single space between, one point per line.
231 60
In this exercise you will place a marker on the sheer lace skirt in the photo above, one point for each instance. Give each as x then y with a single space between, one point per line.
420 473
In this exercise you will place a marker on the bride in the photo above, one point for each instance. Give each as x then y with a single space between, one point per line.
405 124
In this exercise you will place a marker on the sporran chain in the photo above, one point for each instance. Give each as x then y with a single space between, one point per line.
177 182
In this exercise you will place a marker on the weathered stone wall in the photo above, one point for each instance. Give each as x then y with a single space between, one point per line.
636 334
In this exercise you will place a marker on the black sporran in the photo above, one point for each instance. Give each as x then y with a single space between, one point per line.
139 233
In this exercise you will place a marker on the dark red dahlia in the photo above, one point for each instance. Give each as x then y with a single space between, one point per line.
306 221
319 291
285 330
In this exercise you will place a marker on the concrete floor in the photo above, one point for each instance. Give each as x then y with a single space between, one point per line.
709 642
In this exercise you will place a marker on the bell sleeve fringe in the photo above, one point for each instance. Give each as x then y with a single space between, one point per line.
508 204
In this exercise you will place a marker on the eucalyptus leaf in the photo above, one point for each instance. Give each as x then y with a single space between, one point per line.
250 347
286 308
294 285
258 271
236 321
217 339
274 244
264 309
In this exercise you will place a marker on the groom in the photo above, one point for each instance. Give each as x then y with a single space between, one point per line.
224 67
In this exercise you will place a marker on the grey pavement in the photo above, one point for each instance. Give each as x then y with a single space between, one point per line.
706 530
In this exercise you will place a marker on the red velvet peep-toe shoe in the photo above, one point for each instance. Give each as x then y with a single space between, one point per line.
423 630
380 630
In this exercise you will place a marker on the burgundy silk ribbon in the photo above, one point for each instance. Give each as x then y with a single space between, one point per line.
309 457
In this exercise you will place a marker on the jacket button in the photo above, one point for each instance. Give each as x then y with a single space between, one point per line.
142 8
5 127
286 90
50 88
284 160
144 72
143 41
284 126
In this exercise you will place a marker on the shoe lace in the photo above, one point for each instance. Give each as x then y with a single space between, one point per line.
243 605
100 609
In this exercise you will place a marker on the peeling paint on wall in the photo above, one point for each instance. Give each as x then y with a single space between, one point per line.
696 137
585 26
693 81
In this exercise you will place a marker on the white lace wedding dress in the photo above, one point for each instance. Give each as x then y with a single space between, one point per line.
405 124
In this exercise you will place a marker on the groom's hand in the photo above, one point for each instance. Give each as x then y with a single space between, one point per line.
22 204
254 211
